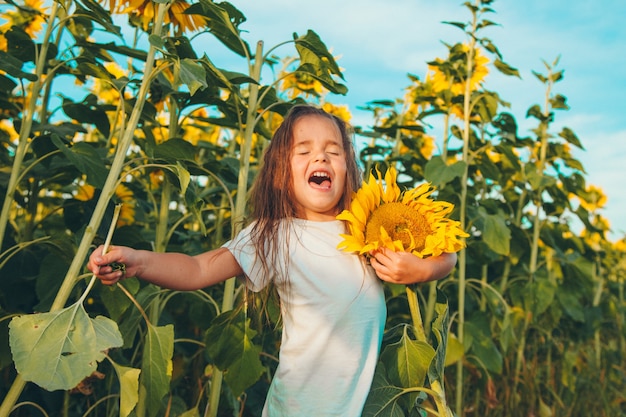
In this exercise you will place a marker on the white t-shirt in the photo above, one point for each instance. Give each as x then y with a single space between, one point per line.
334 315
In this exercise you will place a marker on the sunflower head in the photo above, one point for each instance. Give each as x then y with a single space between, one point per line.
382 216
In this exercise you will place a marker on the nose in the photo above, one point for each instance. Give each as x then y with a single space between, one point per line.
320 156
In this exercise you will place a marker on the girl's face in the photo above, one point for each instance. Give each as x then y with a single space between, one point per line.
318 167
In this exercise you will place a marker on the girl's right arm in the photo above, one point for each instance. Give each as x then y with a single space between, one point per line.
176 271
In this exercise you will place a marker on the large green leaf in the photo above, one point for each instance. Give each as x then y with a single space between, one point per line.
383 397
495 232
483 347
538 294
229 343
156 365
175 150
537 179
85 158
88 112
317 61
408 361
439 174
57 350
13 67
192 74
223 20
313 51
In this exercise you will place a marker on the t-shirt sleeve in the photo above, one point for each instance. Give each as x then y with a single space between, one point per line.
244 252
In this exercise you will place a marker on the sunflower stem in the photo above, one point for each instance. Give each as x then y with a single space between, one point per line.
416 315
430 306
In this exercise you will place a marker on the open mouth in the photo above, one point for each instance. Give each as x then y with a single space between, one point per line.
321 179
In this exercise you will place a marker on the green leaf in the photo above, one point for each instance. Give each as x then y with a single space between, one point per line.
571 304
184 178
439 174
221 25
535 111
156 365
193 75
569 135
495 232
57 350
537 179
13 67
88 112
113 47
229 343
216 75
175 150
459 25
439 330
540 77
487 107
408 361
505 68
383 397
157 41
483 348
115 300
85 158
454 350
316 61
538 295
313 51
194 412
559 102
129 387
95 70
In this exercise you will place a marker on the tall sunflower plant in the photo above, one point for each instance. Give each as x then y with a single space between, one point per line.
381 215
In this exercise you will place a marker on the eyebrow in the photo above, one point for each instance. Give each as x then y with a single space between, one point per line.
328 142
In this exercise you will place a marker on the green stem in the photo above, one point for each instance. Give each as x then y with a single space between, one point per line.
164 209
416 316
27 122
430 306
537 224
463 209
240 208
483 299
596 302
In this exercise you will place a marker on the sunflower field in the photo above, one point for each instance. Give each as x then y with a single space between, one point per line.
117 127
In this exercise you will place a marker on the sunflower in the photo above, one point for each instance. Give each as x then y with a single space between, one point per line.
86 192
143 12
29 16
384 217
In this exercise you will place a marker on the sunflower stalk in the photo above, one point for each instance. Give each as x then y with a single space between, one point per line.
240 206
597 278
416 315
537 225
27 122
463 202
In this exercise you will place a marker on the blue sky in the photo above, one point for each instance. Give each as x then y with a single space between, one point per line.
380 42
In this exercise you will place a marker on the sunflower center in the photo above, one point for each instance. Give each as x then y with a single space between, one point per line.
400 222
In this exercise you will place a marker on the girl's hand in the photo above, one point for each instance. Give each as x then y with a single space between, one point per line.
118 263
406 268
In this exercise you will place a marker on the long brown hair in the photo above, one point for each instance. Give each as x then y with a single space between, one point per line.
272 196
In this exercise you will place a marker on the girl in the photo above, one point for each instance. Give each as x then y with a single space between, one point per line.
332 302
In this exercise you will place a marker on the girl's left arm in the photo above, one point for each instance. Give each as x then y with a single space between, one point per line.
406 268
